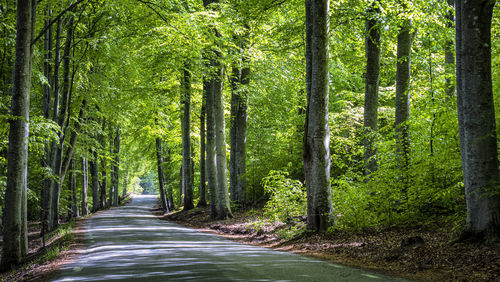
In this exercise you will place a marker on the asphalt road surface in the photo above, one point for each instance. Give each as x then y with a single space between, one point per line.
130 244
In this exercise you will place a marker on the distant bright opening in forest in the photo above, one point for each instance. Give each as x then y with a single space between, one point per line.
363 132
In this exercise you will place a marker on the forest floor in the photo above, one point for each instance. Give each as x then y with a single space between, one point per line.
422 253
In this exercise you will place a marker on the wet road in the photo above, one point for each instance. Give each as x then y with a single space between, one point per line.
130 244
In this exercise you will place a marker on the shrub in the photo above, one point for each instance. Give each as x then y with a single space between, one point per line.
287 197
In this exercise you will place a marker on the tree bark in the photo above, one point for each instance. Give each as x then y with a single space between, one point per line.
61 117
211 157
168 189
15 217
476 114
159 160
104 167
317 133
73 190
85 184
203 167
402 130
372 48
223 204
48 190
116 168
449 57
186 139
240 79
17 155
94 172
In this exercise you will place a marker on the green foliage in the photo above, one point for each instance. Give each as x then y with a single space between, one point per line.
287 197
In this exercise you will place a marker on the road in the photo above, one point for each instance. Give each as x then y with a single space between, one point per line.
130 244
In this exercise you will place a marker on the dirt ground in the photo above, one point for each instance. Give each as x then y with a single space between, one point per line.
38 268
422 253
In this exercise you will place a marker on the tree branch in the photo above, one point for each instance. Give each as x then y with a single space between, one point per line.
55 20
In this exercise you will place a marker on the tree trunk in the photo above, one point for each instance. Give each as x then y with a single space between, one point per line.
94 172
372 48
239 105
85 184
223 204
73 190
476 114
111 169
104 167
402 130
186 139
449 57
159 159
48 192
116 168
317 133
61 117
168 189
203 167
211 157
181 186
17 156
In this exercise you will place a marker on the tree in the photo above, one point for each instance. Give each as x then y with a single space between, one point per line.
159 158
223 204
203 139
85 185
449 56
187 173
372 53
476 117
104 166
115 179
238 133
316 152
94 172
403 99
15 241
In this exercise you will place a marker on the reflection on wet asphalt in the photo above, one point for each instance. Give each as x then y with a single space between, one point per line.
130 244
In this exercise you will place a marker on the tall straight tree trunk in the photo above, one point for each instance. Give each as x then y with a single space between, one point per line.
61 117
476 115
372 49
17 155
240 79
223 203
94 172
402 130
73 190
104 166
159 160
168 189
47 88
449 57
211 157
116 167
186 139
85 185
48 192
316 153
203 167
181 186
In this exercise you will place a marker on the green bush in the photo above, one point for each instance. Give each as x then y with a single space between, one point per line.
287 197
